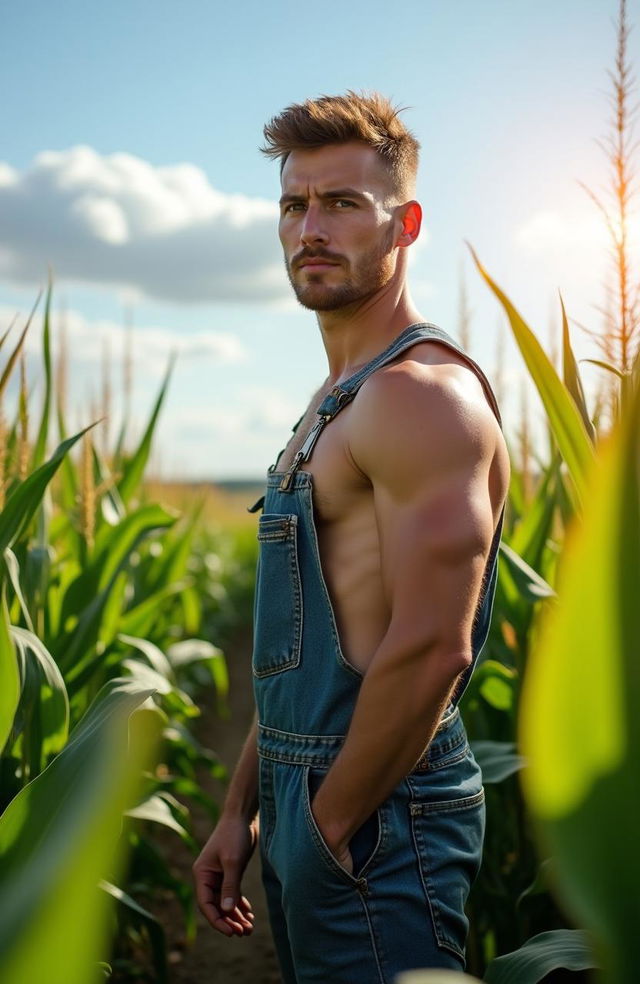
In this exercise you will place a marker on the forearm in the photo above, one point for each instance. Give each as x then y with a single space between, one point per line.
242 795
397 712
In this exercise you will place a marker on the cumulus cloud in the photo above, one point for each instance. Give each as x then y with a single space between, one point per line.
116 219
152 346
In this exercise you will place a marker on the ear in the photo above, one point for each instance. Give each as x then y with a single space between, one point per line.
411 215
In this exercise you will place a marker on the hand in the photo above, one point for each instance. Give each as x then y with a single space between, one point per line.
338 848
218 871
342 856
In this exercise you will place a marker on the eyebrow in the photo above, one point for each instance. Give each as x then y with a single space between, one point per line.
333 193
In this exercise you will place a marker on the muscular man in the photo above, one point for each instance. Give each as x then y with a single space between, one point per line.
377 567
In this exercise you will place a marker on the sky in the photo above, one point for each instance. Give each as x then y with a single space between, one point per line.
130 165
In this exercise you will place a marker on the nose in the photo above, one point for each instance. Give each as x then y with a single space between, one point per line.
313 230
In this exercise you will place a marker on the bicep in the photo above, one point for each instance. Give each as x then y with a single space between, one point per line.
427 454
433 550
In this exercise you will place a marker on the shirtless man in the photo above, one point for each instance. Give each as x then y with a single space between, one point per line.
378 559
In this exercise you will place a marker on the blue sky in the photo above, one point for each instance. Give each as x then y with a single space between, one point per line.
130 163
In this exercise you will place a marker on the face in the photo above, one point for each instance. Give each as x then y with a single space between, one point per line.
338 225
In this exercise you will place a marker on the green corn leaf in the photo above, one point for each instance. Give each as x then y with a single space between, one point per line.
542 882
568 948
26 497
116 603
139 620
75 644
8 369
68 490
580 727
154 655
49 701
156 809
496 683
9 673
13 570
43 431
200 650
114 544
564 417
530 537
497 759
529 583
133 469
172 564
605 365
571 374
142 917
111 504
192 609
434 977
60 836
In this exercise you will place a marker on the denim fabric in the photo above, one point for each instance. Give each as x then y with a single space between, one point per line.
417 855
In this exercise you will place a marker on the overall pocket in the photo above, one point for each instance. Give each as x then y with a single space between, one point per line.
278 601
447 812
364 843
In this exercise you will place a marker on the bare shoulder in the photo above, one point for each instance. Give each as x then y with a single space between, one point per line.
426 408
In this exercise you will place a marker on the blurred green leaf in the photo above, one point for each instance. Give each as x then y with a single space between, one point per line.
59 836
143 918
569 948
580 726
497 759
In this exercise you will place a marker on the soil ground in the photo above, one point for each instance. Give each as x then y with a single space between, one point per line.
213 958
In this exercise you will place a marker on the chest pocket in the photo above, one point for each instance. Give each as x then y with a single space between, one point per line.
278 602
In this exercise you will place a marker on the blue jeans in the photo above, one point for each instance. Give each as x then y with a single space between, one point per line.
414 861
416 856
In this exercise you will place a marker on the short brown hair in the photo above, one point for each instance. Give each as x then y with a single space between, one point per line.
370 118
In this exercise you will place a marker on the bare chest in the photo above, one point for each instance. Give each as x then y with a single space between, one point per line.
338 487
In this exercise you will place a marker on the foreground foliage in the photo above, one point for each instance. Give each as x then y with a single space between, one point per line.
101 605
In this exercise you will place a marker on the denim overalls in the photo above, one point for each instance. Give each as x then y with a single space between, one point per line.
416 856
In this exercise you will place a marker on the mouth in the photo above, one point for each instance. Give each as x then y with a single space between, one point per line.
315 264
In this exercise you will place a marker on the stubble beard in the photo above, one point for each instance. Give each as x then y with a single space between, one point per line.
373 270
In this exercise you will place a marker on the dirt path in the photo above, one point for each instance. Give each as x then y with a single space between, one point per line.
213 958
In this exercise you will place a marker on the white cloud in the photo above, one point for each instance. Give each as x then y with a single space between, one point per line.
116 219
151 346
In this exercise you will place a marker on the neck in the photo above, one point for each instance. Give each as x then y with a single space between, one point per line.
353 335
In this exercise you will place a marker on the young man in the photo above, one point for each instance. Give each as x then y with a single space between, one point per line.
378 560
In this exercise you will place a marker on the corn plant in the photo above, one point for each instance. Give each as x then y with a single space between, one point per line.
96 594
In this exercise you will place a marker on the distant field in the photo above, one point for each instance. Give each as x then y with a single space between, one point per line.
225 502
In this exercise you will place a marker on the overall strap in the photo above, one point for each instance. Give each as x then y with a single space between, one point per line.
343 394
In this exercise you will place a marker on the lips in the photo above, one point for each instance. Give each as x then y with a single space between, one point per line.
316 262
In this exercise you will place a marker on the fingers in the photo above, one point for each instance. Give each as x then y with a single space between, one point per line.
234 921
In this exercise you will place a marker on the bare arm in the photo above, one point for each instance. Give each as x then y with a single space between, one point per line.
242 796
435 524
219 867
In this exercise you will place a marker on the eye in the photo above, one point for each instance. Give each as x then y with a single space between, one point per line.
293 207
344 203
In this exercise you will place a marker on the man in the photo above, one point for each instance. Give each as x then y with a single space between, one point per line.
376 575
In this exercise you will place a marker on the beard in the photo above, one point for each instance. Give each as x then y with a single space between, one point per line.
368 274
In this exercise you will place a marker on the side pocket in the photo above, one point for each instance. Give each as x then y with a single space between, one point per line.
278 598
364 844
448 837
